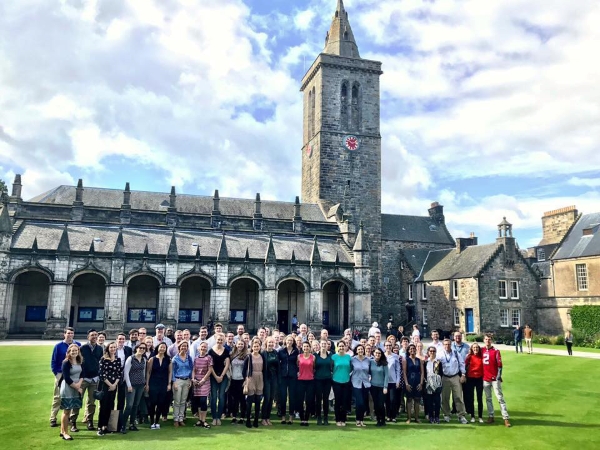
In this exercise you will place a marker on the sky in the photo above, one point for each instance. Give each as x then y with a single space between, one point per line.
490 107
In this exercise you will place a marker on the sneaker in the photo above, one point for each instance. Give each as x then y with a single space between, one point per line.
53 423
90 426
74 429
463 420
133 428
480 420
472 419
447 419
100 433
153 427
490 419
157 425
297 416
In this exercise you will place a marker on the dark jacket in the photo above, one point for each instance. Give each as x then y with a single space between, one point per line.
247 370
288 363
91 360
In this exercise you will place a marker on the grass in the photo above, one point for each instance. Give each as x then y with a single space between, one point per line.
553 404
563 348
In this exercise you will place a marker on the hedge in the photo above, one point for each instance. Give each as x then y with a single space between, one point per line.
586 320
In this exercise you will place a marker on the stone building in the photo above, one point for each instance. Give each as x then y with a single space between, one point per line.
569 269
471 287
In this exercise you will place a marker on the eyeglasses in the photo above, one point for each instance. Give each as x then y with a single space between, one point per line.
142 348
431 351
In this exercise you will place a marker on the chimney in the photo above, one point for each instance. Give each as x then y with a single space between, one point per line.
436 212
462 243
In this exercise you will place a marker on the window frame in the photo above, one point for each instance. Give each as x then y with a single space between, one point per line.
514 283
541 254
505 296
512 317
581 278
456 314
424 291
424 318
504 323
455 291
410 291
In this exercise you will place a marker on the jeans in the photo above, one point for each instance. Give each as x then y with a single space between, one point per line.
433 401
497 386
181 388
519 345
322 390
270 389
340 391
378 402
306 396
361 400
237 402
472 385
133 401
217 393
391 401
288 386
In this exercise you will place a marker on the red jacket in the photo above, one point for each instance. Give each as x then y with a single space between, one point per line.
474 365
492 361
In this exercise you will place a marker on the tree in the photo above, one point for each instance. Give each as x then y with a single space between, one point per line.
3 188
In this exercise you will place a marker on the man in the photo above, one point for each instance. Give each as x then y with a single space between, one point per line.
518 337
229 344
202 338
373 329
435 341
400 332
461 347
101 339
324 335
213 339
378 342
133 338
123 352
160 336
404 346
390 330
170 333
172 350
492 379
262 334
453 368
246 339
240 331
303 332
187 337
528 332
58 356
90 371
294 323
142 332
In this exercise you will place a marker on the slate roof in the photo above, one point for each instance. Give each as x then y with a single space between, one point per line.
543 268
195 204
48 236
415 259
414 229
449 264
576 244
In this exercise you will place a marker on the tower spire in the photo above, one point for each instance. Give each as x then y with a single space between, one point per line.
340 39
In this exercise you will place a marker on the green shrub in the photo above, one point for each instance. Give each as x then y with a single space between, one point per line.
543 339
474 338
560 340
586 319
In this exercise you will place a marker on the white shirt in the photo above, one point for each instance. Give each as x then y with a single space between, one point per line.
451 365
165 339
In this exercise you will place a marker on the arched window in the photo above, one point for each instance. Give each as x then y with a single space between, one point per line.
355 107
313 113
344 107
345 35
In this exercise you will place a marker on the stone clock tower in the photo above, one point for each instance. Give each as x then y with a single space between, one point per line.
341 153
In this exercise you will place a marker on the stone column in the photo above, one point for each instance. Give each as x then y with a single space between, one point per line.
115 300
168 299
314 299
5 302
267 301
59 300
219 296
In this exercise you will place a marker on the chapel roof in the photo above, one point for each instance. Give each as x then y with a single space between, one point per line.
414 229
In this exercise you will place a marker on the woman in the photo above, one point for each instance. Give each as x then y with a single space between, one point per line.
288 370
396 378
183 365
379 383
323 373
433 369
416 334
158 383
360 383
149 348
237 402
201 382
271 378
310 337
134 373
474 366
110 375
421 353
569 342
306 383
70 388
342 366
218 381
315 346
254 375
413 382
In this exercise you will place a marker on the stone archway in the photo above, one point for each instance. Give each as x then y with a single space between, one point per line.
142 301
336 307
194 302
87 302
291 300
243 304
30 303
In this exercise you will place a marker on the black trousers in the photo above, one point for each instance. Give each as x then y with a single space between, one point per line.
322 390
107 404
157 397
391 401
341 393
269 393
306 398
237 402
288 387
378 402
469 388
433 402
200 403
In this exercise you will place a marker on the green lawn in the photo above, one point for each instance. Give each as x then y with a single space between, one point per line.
563 348
553 402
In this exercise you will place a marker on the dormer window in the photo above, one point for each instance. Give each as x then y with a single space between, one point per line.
541 254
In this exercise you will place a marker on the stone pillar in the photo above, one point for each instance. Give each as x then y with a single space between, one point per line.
314 299
5 297
219 296
115 300
59 300
267 300
168 299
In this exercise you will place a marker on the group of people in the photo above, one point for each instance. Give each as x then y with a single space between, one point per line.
242 378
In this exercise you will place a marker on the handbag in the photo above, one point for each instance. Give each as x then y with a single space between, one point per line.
113 420
99 395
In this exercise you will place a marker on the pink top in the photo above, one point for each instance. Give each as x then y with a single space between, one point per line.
306 367
202 364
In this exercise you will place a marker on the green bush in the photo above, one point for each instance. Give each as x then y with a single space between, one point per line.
560 340
586 319
474 338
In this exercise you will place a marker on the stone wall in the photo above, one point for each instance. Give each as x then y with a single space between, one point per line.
553 313
555 224
565 277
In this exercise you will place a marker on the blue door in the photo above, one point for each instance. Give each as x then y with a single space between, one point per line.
470 324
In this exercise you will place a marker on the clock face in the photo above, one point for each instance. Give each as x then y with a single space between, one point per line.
351 143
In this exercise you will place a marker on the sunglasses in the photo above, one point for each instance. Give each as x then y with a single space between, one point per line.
142 348
431 351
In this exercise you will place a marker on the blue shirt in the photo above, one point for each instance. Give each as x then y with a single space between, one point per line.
379 375
360 373
58 356
463 349
182 369
394 368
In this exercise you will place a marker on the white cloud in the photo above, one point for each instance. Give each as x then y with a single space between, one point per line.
303 19
589 182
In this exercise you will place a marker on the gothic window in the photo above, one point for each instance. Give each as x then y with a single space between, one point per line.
355 108
344 107
345 35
